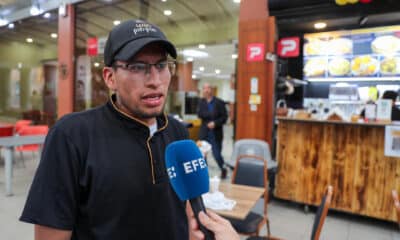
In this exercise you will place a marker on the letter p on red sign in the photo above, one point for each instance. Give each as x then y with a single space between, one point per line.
255 52
289 47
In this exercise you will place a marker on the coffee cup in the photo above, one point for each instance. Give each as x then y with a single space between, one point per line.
214 184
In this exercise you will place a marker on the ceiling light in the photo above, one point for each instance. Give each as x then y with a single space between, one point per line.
194 76
167 12
202 46
201 68
116 22
234 56
11 25
53 35
163 0
194 53
47 15
236 1
35 10
320 25
217 71
189 59
96 64
3 21
29 40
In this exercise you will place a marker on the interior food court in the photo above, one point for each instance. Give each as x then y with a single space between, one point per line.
123 119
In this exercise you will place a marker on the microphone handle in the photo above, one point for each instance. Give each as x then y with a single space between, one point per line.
197 206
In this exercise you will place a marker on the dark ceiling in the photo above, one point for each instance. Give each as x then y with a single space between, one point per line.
298 16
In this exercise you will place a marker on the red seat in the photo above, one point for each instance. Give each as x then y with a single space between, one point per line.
6 130
29 131
21 123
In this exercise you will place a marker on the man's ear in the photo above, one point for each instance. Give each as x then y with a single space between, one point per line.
109 78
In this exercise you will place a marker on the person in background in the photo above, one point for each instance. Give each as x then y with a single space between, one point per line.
102 174
213 115
392 95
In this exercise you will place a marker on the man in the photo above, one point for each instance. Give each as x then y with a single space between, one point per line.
213 115
102 174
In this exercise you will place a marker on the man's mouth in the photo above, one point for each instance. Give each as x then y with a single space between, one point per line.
153 100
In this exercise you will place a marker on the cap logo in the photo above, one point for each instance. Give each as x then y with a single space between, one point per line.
143 27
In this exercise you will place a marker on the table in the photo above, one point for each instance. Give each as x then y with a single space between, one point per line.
9 143
245 197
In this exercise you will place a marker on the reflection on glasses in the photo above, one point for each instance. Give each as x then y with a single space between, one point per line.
144 68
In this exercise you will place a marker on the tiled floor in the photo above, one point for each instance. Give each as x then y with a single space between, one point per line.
288 220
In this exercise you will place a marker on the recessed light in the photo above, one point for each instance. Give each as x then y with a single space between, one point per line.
194 76
234 56
3 21
11 25
201 68
29 40
35 10
116 22
96 64
194 53
53 35
217 71
236 1
202 46
189 59
47 15
167 12
320 25
163 0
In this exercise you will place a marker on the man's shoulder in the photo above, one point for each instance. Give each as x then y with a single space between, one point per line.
79 120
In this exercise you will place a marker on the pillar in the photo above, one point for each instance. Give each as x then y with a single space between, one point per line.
66 69
256 75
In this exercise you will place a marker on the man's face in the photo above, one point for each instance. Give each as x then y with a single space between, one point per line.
207 91
142 95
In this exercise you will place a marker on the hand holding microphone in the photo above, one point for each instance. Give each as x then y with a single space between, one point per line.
188 174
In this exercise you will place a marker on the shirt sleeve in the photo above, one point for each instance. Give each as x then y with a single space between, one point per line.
53 197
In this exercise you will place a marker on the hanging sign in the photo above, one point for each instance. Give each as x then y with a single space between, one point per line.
91 47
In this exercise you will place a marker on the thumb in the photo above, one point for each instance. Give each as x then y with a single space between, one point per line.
206 221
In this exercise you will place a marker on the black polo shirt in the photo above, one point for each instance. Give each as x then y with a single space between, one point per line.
102 177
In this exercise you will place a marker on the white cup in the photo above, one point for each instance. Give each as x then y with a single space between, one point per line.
214 184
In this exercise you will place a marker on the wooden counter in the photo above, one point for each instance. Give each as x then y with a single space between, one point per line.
349 156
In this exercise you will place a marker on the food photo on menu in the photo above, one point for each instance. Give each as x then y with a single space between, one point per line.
363 53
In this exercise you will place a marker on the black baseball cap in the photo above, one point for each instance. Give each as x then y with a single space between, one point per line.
129 37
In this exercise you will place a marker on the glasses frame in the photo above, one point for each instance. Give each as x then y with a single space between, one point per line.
170 64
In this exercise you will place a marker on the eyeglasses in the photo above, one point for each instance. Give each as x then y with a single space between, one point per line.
144 68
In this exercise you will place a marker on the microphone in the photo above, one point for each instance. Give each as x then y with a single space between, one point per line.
188 174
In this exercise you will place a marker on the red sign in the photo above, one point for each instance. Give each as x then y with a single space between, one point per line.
289 47
255 52
91 47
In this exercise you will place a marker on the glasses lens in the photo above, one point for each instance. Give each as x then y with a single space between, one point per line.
137 67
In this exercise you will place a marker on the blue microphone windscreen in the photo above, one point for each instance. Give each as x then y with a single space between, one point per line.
187 169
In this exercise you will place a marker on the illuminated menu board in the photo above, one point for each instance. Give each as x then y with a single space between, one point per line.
362 54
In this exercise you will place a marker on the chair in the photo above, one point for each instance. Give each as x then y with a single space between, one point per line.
252 147
396 205
258 148
318 220
30 131
251 170
20 124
